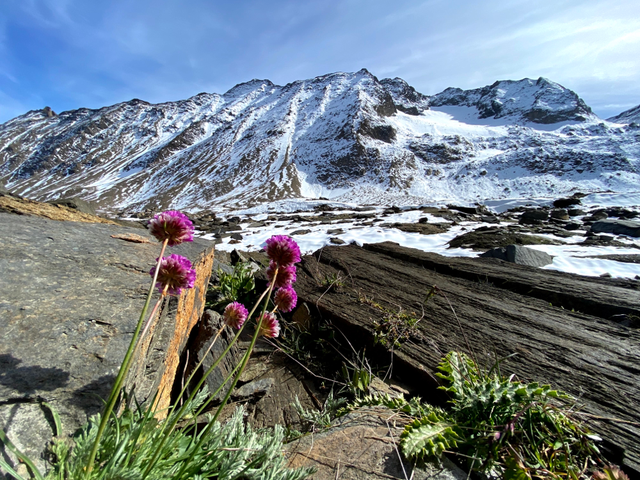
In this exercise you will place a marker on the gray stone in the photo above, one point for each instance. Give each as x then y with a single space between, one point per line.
210 327
337 241
520 255
72 294
364 445
617 227
77 204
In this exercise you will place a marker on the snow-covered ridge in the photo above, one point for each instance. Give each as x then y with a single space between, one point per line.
345 136
629 116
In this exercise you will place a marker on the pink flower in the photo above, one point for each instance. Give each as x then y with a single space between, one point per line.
283 250
285 298
286 274
173 226
270 327
175 273
235 314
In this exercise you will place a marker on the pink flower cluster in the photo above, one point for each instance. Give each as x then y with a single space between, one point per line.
235 315
269 327
172 226
174 271
174 274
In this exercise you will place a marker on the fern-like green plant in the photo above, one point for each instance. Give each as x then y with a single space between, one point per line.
429 436
518 430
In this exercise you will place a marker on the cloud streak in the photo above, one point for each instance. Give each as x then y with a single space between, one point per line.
72 53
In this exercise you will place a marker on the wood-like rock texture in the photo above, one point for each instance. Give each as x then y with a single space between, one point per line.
71 294
593 352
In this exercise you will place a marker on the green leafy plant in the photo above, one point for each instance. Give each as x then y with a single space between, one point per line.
509 428
237 286
318 419
224 451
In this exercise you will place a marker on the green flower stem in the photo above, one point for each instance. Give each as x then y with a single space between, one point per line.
124 368
245 359
181 412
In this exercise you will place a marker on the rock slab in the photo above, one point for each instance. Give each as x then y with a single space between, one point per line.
364 445
71 297
502 309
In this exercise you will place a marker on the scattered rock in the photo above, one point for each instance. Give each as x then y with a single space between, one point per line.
300 232
337 241
534 216
617 227
484 238
566 202
520 255
560 213
422 228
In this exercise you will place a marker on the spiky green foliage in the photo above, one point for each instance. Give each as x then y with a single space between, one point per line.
228 451
317 419
507 427
429 436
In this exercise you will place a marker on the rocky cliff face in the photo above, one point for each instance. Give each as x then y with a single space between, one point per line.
347 136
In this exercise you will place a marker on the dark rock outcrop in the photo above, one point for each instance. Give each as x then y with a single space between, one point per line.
617 227
563 329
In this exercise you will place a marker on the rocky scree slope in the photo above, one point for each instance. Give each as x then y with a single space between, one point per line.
348 136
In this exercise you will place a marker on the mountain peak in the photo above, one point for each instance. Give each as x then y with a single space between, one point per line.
536 101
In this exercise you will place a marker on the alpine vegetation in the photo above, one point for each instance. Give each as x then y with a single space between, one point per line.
129 440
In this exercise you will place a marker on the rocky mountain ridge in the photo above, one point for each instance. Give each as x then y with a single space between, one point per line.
628 116
347 136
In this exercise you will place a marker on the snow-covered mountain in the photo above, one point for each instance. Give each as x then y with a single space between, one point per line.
629 116
347 136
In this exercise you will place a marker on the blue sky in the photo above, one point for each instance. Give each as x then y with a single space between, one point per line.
87 53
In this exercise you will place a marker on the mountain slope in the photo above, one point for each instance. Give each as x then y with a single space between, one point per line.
344 135
629 116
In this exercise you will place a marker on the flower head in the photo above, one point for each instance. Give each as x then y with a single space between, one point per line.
283 250
175 273
269 326
285 298
235 314
286 274
172 226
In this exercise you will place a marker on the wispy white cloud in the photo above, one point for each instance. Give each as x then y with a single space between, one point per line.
98 53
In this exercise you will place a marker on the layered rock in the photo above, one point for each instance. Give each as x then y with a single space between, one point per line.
72 295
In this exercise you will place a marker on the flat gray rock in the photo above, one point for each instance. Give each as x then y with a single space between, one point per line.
617 227
71 296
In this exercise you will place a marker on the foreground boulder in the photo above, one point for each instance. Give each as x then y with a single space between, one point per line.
555 328
71 296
